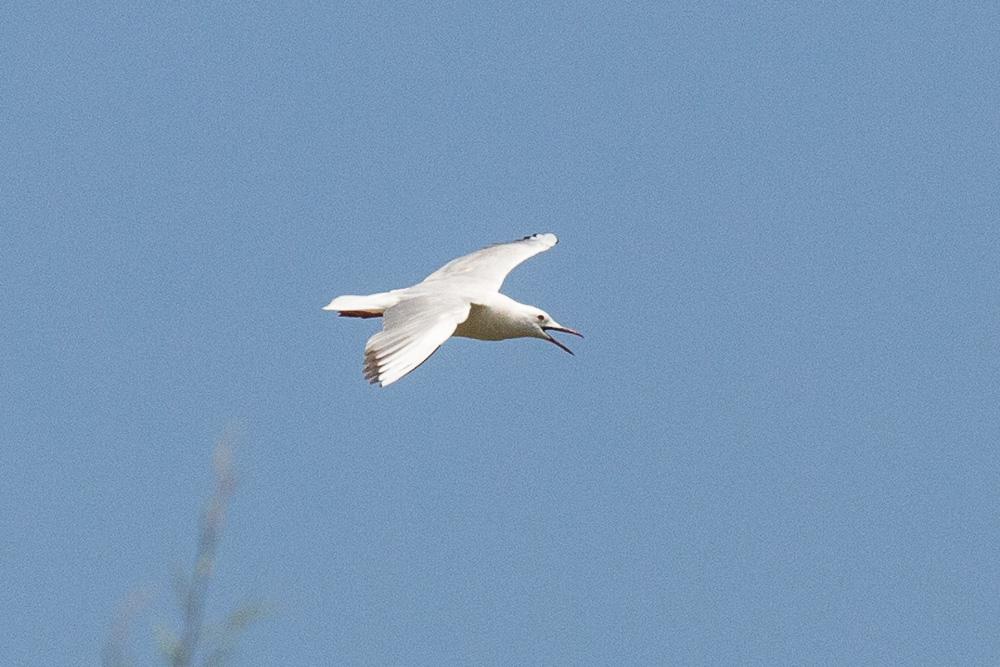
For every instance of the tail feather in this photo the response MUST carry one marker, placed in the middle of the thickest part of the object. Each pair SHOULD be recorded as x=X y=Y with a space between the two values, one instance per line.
x=370 y=305
x=358 y=313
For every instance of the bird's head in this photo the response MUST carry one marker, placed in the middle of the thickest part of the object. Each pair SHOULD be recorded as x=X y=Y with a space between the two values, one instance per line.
x=540 y=324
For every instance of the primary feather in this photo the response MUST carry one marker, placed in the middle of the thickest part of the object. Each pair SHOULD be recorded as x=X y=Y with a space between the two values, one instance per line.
x=412 y=331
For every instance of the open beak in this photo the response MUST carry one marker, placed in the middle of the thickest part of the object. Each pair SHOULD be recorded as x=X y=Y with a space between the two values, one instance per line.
x=563 y=330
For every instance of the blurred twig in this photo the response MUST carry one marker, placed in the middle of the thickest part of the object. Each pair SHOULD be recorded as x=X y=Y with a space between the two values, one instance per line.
x=115 y=652
x=225 y=637
x=193 y=603
x=214 y=643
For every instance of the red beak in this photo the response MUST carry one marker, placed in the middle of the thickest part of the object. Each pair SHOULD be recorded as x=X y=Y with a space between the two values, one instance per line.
x=574 y=332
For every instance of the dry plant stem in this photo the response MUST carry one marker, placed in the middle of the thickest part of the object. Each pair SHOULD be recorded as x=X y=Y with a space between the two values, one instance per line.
x=115 y=651
x=193 y=607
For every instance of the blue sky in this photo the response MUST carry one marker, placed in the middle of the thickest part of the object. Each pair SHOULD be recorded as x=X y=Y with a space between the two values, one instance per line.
x=778 y=225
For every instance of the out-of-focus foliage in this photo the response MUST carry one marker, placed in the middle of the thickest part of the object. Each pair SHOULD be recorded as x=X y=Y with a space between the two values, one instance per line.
x=196 y=641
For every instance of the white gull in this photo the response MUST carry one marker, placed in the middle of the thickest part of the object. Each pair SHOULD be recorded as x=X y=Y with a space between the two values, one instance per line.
x=462 y=298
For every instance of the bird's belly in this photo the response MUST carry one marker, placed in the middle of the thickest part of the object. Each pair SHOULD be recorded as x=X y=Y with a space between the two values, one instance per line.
x=483 y=324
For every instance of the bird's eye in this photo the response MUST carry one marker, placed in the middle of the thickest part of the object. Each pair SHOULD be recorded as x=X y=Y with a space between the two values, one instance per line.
x=541 y=318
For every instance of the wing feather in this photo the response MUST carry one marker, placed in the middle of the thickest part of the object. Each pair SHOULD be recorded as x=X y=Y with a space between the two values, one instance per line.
x=489 y=266
x=412 y=331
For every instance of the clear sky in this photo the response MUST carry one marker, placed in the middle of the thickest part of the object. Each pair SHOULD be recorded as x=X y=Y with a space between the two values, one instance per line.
x=778 y=443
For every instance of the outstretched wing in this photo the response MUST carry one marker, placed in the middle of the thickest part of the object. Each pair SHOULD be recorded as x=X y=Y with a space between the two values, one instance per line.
x=491 y=265
x=412 y=331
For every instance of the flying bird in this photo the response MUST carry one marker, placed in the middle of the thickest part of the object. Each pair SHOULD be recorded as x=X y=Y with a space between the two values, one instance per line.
x=462 y=298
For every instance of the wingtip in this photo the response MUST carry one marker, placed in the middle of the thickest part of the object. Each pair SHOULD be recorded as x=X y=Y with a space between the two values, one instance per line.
x=546 y=237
